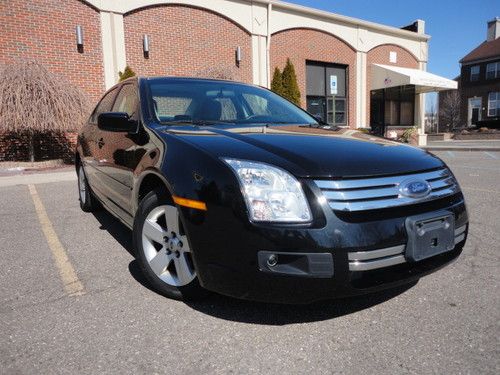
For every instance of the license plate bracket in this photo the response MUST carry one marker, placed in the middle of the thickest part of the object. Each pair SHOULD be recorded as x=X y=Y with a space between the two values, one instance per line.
x=429 y=235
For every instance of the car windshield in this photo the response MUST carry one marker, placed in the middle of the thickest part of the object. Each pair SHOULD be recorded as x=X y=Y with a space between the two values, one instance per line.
x=213 y=102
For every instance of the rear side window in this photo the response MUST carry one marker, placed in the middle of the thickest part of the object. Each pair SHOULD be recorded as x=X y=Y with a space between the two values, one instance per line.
x=127 y=101
x=103 y=106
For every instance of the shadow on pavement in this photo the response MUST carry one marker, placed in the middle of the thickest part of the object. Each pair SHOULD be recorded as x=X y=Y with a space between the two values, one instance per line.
x=233 y=309
x=276 y=314
x=116 y=228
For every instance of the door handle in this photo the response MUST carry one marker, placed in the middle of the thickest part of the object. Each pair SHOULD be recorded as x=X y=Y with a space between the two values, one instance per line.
x=100 y=144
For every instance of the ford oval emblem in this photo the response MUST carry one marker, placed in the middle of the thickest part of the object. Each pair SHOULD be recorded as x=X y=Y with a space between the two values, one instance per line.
x=414 y=188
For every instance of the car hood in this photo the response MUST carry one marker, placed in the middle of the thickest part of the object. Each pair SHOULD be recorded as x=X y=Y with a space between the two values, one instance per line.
x=309 y=152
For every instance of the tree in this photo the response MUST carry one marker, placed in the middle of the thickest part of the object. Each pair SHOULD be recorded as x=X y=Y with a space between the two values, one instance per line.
x=34 y=100
x=431 y=120
x=277 y=82
x=290 y=86
x=127 y=73
x=450 y=110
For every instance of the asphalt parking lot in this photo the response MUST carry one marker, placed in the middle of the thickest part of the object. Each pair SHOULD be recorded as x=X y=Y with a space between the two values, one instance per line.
x=104 y=319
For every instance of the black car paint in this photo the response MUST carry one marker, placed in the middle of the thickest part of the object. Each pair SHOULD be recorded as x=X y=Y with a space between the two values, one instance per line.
x=225 y=243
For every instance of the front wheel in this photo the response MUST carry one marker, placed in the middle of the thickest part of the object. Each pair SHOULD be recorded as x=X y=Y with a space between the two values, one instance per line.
x=162 y=248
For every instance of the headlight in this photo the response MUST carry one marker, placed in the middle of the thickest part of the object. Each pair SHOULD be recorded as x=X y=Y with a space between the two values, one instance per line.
x=271 y=193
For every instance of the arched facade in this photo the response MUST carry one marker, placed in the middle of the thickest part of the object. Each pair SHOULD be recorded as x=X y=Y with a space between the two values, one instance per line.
x=200 y=37
x=302 y=45
x=182 y=44
x=382 y=54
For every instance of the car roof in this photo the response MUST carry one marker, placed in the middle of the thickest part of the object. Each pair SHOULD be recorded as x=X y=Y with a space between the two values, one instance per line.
x=190 y=79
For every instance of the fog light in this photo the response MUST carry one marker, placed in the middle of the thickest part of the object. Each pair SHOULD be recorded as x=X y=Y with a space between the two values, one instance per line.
x=272 y=260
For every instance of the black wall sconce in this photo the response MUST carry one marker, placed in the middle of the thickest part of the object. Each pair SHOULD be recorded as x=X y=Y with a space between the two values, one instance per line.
x=145 y=46
x=238 y=56
x=79 y=39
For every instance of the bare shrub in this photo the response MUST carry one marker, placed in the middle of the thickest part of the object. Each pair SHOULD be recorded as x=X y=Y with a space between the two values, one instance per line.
x=450 y=110
x=34 y=100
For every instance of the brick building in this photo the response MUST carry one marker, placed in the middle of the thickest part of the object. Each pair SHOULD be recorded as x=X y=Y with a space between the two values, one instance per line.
x=480 y=80
x=351 y=72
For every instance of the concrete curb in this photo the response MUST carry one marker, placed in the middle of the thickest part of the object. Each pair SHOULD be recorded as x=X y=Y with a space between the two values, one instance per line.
x=454 y=148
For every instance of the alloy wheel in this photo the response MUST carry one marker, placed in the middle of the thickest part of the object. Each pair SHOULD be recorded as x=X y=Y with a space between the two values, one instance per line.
x=166 y=247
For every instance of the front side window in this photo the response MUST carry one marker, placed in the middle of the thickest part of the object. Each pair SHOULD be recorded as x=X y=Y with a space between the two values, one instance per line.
x=493 y=70
x=193 y=101
x=127 y=101
x=474 y=73
x=494 y=104
x=103 y=106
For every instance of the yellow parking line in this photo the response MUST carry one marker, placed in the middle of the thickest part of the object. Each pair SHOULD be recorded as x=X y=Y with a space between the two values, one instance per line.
x=72 y=285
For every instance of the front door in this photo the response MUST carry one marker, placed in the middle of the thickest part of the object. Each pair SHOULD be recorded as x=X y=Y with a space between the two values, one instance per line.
x=327 y=90
x=122 y=151
x=475 y=105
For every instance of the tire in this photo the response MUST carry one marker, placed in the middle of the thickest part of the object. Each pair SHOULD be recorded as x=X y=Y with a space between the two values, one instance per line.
x=88 y=202
x=162 y=248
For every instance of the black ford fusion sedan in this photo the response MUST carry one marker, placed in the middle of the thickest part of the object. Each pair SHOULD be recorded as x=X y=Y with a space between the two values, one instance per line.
x=231 y=188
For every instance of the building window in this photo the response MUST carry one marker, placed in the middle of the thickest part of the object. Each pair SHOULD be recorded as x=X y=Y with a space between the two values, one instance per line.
x=327 y=88
x=474 y=73
x=493 y=70
x=494 y=104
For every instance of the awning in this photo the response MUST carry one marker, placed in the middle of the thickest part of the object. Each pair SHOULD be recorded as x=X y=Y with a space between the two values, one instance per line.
x=384 y=76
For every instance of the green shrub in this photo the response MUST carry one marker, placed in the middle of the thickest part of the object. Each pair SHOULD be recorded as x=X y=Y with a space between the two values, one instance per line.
x=127 y=73
x=277 y=82
x=408 y=134
x=290 y=86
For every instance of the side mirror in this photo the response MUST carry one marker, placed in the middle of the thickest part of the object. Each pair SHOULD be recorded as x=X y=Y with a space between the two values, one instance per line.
x=116 y=122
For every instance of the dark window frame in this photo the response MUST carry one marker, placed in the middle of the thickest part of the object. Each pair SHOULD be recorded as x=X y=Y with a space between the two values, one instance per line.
x=474 y=77
x=326 y=96
x=495 y=72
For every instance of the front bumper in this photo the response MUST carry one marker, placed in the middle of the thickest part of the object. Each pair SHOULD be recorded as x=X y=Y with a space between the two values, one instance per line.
x=337 y=256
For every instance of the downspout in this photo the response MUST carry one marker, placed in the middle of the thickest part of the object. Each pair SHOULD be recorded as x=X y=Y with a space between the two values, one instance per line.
x=268 y=44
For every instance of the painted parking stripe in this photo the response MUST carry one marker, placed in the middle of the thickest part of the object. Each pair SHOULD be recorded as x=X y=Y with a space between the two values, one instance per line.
x=450 y=153
x=72 y=285
x=490 y=154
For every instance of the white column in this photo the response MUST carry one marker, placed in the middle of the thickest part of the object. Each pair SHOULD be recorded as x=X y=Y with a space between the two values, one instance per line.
x=361 y=87
x=259 y=60
x=420 y=113
x=113 y=46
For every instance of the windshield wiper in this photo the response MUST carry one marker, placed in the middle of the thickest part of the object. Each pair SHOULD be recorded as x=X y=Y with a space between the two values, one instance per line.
x=197 y=122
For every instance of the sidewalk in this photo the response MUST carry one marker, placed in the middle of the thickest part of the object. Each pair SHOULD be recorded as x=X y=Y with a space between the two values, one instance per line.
x=37 y=177
x=479 y=145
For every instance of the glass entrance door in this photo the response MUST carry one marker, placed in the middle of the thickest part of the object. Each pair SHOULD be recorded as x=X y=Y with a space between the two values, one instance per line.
x=326 y=92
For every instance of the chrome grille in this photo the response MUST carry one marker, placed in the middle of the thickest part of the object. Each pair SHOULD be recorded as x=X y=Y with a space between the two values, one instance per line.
x=383 y=192
x=390 y=256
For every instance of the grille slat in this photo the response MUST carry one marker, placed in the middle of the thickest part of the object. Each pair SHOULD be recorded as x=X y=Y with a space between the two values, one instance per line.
x=390 y=256
x=383 y=192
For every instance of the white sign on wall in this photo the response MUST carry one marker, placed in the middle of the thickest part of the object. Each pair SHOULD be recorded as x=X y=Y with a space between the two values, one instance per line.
x=393 y=57
x=333 y=85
